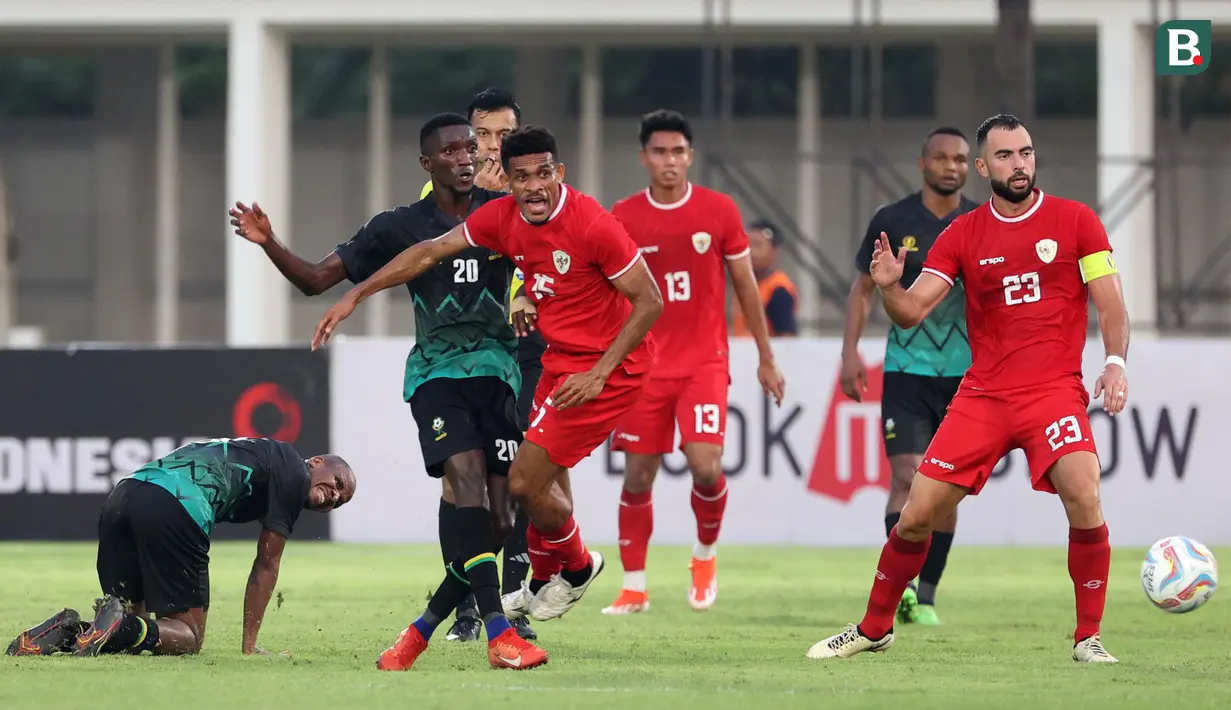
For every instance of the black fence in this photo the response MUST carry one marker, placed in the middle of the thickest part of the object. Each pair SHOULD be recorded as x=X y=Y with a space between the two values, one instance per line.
x=73 y=423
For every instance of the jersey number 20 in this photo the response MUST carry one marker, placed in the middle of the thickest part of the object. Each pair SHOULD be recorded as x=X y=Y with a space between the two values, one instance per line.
x=465 y=271
x=1022 y=289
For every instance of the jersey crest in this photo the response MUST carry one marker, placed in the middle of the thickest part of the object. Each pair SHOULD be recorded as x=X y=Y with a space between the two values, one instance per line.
x=1046 y=249
x=701 y=241
x=561 y=260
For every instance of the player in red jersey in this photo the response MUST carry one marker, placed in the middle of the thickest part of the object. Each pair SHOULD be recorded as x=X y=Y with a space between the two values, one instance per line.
x=691 y=238
x=1030 y=263
x=595 y=301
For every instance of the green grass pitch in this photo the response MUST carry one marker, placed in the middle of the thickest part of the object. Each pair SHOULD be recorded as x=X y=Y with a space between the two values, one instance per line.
x=1006 y=642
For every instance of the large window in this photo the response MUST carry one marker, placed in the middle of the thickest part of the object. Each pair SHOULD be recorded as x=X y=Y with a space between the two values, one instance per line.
x=47 y=86
x=1066 y=79
x=908 y=81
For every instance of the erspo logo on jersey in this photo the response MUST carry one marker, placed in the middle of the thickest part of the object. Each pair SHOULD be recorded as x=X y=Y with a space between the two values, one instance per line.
x=851 y=455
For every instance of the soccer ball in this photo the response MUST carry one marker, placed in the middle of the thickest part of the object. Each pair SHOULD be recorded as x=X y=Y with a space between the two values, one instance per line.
x=1179 y=574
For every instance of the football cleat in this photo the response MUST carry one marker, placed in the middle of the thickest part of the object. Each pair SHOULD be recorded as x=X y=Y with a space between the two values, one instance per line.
x=404 y=652
x=849 y=643
x=508 y=650
x=629 y=602
x=1090 y=650
x=466 y=628
x=55 y=635
x=558 y=596
x=704 y=589
x=522 y=625
x=108 y=615
x=517 y=603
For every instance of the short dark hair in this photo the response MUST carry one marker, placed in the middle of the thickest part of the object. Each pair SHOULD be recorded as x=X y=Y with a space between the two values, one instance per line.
x=942 y=131
x=527 y=140
x=666 y=121
x=437 y=122
x=770 y=229
x=493 y=99
x=1001 y=121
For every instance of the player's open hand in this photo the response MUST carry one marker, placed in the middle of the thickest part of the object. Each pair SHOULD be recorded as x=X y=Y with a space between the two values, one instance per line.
x=772 y=381
x=854 y=377
x=577 y=389
x=339 y=312
x=491 y=176
x=886 y=269
x=524 y=314
x=251 y=223
x=1112 y=385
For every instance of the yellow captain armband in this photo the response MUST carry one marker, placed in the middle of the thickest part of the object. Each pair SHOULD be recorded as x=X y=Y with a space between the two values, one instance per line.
x=427 y=190
x=1096 y=266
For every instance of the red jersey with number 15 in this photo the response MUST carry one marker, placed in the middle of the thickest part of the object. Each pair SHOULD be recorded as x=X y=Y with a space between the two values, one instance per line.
x=686 y=245
x=569 y=262
x=1027 y=309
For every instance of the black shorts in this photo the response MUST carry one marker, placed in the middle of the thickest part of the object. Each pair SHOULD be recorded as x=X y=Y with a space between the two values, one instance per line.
x=150 y=550
x=472 y=414
x=912 y=407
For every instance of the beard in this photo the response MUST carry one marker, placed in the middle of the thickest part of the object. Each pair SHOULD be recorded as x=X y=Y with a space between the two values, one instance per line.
x=1010 y=194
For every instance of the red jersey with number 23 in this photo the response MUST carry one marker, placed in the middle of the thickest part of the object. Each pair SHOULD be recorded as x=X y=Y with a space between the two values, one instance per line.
x=569 y=263
x=1027 y=309
x=686 y=245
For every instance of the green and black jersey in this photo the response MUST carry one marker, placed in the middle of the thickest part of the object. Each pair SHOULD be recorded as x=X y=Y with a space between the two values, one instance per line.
x=461 y=306
x=939 y=346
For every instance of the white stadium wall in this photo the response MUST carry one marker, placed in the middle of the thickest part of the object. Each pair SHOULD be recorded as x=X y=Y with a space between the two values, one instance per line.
x=813 y=472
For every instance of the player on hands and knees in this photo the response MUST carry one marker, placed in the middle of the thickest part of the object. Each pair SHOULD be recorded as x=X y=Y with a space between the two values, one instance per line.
x=691 y=238
x=153 y=545
x=461 y=377
x=493 y=114
x=595 y=302
x=1031 y=263
x=924 y=364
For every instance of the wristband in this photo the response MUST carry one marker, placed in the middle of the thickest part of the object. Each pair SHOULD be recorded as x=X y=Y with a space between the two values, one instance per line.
x=1116 y=360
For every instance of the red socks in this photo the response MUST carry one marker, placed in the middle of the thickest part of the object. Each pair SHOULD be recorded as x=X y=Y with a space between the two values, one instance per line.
x=543 y=564
x=708 y=504
x=900 y=562
x=636 y=527
x=565 y=545
x=1089 y=565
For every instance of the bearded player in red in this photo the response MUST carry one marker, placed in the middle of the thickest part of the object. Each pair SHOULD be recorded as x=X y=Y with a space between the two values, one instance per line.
x=691 y=238
x=595 y=301
x=1030 y=263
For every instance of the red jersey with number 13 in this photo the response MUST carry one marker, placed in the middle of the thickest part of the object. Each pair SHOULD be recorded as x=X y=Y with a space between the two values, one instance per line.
x=686 y=245
x=1027 y=309
x=569 y=262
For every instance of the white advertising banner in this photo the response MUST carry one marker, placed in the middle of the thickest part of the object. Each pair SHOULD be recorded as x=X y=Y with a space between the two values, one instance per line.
x=813 y=472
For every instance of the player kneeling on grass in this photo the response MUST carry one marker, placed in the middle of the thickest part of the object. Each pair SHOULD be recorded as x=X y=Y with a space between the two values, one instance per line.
x=1031 y=263
x=153 y=545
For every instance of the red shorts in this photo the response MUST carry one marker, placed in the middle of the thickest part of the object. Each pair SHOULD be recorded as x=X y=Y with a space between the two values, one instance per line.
x=979 y=428
x=698 y=404
x=571 y=435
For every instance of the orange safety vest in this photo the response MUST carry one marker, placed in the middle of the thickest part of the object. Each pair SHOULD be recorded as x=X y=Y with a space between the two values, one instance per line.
x=767 y=286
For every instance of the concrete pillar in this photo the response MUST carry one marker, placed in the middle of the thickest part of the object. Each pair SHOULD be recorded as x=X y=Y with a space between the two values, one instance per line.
x=380 y=157
x=258 y=170
x=1125 y=136
x=122 y=240
x=166 y=201
x=808 y=180
x=591 y=119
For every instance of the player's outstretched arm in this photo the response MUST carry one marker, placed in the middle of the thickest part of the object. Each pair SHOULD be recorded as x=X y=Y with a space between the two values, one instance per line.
x=744 y=283
x=1108 y=296
x=403 y=268
x=311 y=279
x=906 y=308
x=261 y=582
